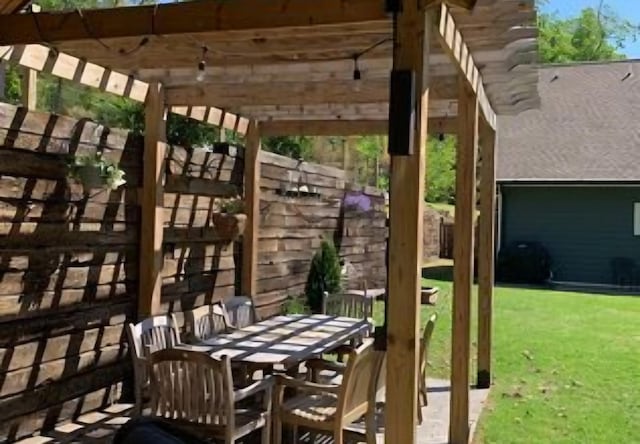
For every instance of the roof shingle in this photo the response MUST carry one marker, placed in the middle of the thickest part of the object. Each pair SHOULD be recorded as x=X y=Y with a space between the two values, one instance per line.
x=586 y=129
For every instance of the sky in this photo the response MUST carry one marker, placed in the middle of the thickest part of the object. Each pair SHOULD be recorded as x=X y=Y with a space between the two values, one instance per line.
x=629 y=9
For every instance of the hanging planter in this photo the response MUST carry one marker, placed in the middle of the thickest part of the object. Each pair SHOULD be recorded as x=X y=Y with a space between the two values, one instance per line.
x=94 y=171
x=230 y=223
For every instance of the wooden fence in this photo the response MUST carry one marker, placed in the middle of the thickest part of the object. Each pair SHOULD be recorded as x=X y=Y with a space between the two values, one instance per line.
x=294 y=222
x=69 y=259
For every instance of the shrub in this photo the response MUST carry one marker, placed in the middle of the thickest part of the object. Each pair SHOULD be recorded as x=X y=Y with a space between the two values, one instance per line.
x=324 y=275
x=296 y=305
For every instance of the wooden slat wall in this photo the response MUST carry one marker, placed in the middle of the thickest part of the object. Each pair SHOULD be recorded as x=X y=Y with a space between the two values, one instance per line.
x=199 y=267
x=292 y=228
x=69 y=262
x=68 y=273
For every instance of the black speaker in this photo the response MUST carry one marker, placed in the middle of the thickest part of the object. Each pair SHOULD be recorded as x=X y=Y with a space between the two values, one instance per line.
x=402 y=112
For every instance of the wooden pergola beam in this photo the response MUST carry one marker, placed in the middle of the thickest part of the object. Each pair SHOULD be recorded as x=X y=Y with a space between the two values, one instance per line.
x=436 y=126
x=42 y=59
x=186 y=18
x=467 y=149
x=280 y=93
x=486 y=253
x=453 y=43
x=406 y=207
x=226 y=95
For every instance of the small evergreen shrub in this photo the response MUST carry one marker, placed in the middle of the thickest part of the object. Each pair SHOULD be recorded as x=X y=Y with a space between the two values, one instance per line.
x=324 y=275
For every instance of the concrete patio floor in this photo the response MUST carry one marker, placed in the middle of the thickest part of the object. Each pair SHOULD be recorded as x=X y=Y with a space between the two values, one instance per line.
x=100 y=426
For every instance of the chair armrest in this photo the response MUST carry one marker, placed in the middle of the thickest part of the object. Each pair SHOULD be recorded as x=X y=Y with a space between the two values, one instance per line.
x=283 y=381
x=322 y=364
x=264 y=385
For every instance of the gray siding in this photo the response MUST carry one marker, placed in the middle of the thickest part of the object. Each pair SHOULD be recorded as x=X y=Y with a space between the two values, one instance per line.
x=582 y=227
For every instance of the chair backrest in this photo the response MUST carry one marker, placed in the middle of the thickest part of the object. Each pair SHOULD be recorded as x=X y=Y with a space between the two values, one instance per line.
x=205 y=322
x=424 y=343
x=153 y=334
x=359 y=382
x=350 y=304
x=240 y=312
x=193 y=387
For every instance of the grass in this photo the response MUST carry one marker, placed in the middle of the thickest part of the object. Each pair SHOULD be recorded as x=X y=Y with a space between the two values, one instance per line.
x=566 y=365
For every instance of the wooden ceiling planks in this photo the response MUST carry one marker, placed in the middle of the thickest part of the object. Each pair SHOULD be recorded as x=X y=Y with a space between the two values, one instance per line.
x=276 y=68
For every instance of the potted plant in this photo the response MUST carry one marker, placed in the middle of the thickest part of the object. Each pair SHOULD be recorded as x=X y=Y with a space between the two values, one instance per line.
x=94 y=171
x=230 y=222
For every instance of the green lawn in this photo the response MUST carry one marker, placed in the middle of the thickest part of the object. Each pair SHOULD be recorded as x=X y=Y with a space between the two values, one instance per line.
x=567 y=366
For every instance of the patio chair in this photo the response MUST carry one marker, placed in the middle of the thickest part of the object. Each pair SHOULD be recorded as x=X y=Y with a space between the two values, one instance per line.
x=330 y=408
x=205 y=322
x=240 y=312
x=146 y=337
x=352 y=305
x=195 y=392
x=334 y=374
x=425 y=341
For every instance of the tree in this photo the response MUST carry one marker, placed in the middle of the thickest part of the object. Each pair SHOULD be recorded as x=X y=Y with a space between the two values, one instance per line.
x=441 y=169
x=324 y=275
x=298 y=147
x=594 y=34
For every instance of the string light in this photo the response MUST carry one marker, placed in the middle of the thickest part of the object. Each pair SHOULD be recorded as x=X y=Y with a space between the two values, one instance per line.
x=202 y=65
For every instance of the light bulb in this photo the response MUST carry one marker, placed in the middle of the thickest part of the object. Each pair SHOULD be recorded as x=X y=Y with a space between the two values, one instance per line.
x=201 y=71
x=357 y=79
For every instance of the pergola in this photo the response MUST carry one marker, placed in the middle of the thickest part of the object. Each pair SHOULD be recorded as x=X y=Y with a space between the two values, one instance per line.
x=323 y=67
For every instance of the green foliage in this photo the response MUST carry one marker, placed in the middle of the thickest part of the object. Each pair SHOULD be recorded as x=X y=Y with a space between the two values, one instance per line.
x=86 y=169
x=324 y=275
x=441 y=169
x=12 y=91
x=595 y=34
x=298 y=147
x=296 y=305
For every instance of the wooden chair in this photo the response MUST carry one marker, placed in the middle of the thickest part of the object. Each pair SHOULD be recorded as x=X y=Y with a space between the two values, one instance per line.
x=422 y=378
x=352 y=305
x=195 y=391
x=146 y=337
x=335 y=375
x=205 y=322
x=349 y=304
x=330 y=408
x=240 y=312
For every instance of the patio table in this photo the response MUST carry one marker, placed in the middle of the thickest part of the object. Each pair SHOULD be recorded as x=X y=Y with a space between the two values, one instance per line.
x=285 y=340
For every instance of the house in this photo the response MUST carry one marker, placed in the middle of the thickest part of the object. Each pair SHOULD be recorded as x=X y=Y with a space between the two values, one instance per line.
x=569 y=172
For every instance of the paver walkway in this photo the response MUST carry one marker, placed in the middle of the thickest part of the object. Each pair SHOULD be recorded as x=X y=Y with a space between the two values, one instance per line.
x=98 y=427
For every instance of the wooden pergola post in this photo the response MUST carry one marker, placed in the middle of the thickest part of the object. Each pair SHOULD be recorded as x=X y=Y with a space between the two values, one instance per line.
x=486 y=252
x=152 y=220
x=463 y=262
x=250 y=238
x=406 y=206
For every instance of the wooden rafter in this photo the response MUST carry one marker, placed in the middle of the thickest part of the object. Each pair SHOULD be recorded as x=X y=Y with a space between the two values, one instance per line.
x=453 y=43
x=42 y=59
x=187 y=17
